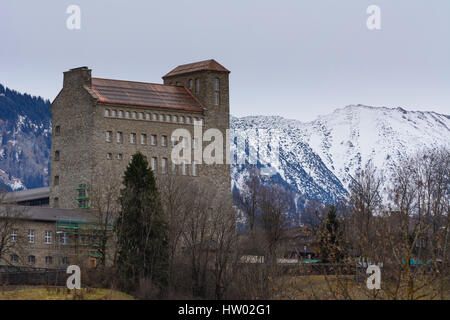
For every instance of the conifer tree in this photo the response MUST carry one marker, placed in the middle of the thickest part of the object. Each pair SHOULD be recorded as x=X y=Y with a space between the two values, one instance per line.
x=330 y=238
x=142 y=232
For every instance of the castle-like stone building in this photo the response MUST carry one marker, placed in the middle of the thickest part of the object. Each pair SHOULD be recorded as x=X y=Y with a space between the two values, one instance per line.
x=98 y=124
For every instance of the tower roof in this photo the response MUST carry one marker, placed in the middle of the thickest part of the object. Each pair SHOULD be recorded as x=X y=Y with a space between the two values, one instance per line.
x=207 y=65
x=144 y=94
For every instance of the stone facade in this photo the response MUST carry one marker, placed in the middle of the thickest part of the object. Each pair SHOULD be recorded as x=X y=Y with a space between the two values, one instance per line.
x=87 y=127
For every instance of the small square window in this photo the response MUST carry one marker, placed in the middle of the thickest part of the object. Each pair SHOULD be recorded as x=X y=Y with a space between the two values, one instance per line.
x=57 y=130
x=48 y=260
x=119 y=156
x=56 y=155
x=119 y=137
x=107 y=113
x=31 y=259
x=65 y=260
x=109 y=156
x=108 y=136
x=164 y=141
x=14 y=235
x=30 y=235
x=143 y=138
x=48 y=237
x=154 y=163
x=14 y=258
x=56 y=181
x=153 y=140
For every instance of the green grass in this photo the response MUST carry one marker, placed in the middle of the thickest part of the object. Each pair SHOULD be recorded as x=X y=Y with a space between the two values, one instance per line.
x=60 y=293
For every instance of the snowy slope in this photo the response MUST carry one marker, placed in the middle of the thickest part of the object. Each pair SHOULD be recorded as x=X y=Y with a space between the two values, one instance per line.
x=317 y=157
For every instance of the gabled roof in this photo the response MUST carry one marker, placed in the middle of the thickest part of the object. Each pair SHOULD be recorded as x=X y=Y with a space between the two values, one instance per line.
x=144 y=94
x=211 y=65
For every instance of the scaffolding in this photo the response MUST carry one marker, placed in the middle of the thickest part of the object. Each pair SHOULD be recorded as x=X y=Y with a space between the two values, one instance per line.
x=81 y=238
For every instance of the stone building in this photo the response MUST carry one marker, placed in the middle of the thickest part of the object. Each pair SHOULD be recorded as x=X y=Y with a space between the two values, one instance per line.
x=98 y=124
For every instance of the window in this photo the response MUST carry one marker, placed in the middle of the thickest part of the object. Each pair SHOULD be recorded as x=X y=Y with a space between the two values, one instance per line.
x=31 y=259
x=175 y=119
x=141 y=116
x=155 y=117
x=154 y=163
x=48 y=237
x=57 y=130
x=153 y=140
x=106 y=112
x=216 y=98
x=164 y=141
x=119 y=156
x=65 y=260
x=56 y=155
x=161 y=117
x=108 y=136
x=164 y=165
x=216 y=84
x=14 y=258
x=64 y=238
x=194 y=169
x=14 y=235
x=143 y=138
x=56 y=202
x=188 y=120
x=120 y=113
x=147 y=116
x=119 y=137
x=174 y=168
x=173 y=140
x=197 y=86
x=109 y=156
x=133 y=115
x=31 y=235
x=48 y=260
x=127 y=114
x=195 y=143
x=191 y=84
x=181 y=119
x=184 y=168
x=113 y=113
x=56 y=181
x=133 y=138
x=168 y=117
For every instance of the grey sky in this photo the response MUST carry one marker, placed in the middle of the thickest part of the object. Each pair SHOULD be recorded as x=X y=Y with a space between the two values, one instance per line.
x=297 y=59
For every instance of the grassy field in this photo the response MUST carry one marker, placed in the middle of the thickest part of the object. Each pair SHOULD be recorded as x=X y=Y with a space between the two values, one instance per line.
x=57 y=293
x=319 y=287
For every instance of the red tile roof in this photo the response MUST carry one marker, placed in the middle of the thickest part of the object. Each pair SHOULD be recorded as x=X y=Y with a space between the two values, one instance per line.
x=211 y=65
x=144 y=94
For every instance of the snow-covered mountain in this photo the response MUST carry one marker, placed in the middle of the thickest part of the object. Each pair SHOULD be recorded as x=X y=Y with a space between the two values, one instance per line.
x=317 y=157
x=25 y=139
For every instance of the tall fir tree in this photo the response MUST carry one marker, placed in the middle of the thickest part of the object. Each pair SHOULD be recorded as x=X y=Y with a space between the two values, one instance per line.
x=142 y=232
x=330 y=239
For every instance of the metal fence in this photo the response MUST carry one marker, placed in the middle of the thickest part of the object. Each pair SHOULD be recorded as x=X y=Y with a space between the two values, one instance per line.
x=32 y=276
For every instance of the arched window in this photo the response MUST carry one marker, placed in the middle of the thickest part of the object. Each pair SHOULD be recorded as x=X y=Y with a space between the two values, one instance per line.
x=197 y=86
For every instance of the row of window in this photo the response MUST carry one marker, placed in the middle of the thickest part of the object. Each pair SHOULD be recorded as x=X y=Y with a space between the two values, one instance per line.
x=164 y=165
x=32 y=259
x=31 y=236
x=153 y=138
x=113 y=113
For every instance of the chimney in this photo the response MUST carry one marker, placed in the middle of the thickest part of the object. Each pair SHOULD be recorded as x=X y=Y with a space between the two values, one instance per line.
x=77 y=77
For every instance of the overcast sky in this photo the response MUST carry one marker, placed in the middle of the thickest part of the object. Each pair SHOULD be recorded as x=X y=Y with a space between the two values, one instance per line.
x=296 y=59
